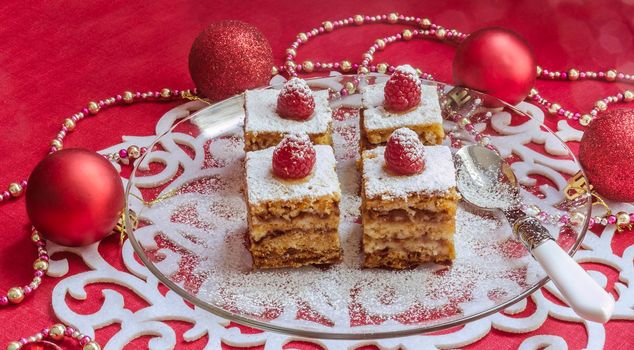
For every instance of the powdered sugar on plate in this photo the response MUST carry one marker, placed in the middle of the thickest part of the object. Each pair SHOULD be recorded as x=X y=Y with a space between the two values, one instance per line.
x=208 y=229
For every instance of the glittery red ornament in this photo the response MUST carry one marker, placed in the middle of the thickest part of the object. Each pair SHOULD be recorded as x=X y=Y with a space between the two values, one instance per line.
x=74 y=197
x=498 y=62
x=607 y=153
x=229 y=57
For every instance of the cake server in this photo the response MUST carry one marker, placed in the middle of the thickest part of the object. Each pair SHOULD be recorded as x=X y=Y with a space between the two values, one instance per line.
x=486 y=181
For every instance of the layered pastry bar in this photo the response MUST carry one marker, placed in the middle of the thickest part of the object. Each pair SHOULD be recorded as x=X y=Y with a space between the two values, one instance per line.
x=293 y=222
x=377 y=123
x=408 y=219
x=264 y=127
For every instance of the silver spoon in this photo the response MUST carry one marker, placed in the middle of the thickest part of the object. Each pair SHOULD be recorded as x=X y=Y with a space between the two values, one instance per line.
x=486 y=181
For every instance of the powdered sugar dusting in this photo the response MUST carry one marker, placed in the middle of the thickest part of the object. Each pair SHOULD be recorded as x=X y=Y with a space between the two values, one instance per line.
x=297 y=85
x=261 y=110
x=407 y=69
x=264 y=186
x=409 y=140
x=376 y=117
x=438 y=176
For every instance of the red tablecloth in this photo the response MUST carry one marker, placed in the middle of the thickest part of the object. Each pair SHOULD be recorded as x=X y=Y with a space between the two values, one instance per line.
x=55 y=57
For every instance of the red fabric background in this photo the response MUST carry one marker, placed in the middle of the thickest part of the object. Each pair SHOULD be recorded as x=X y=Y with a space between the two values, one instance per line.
x=55 y=57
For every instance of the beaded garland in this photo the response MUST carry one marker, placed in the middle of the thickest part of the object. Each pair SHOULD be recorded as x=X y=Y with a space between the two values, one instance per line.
x=57 y=332
x=423 y=29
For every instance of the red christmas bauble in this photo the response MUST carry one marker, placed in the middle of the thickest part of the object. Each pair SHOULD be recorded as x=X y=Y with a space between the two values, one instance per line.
x=606 y=153
x=74 y=197
x=229 y=57
x=498 y=62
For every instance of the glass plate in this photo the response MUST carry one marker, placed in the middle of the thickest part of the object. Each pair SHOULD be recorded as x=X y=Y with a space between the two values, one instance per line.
x=192 y=231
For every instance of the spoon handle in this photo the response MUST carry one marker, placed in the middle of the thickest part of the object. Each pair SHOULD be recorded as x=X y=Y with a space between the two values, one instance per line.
x=589 y=300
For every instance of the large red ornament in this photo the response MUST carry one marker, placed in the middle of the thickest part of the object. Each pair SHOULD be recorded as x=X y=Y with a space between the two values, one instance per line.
x=229 y=57
x=607 y=153
x=74 y=197
x=498 y=62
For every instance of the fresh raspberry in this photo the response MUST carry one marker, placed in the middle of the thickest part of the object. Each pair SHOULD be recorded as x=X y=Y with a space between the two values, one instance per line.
x=294 y=157
x=402 y=90
x=404 y=153
x=296 y=100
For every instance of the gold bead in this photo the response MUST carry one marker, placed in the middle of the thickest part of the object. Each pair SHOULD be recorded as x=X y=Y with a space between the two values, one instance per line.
x=345 y=65
x=290 y=65
x=166 y=93
x=440 y=33
x=610 y=75
x=14 y=345
x=37 y=280
x=532 y=93
x=40 y=264
x=302 y=37
x=291 y=52
x=57 y=144
x=380 y=43
x=91 y=346
x=622 y=218
x=133 y=152
x=308 y=66
x=350 y=87
x=407 y=34
x=15 y=189
x=601 y=105
x=554 y=108
x=573 y=74
x=362 y=70
x=69 y=124
x=628 y=96
x=35 y=236
x=419 y=72
x=328 y=26
x=381 y=67
x=57 y=332
x=274 y=71
x=93 y=107
x=128 y=97
x=15 y=295
x=585 y=119
x=539 y=70
x=392 y=17
x=425 y=23
x=358 y=20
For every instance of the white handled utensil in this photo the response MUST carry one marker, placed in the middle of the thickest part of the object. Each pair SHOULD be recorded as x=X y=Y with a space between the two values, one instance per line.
x=486 y=181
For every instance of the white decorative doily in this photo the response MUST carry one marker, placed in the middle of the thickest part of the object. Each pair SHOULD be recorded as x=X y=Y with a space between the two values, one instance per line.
x=169 y=306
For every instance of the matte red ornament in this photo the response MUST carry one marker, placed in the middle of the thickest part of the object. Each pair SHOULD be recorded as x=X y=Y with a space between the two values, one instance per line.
x=229 y=57
x=74 y=197
x=498 y=62
x=606 y=153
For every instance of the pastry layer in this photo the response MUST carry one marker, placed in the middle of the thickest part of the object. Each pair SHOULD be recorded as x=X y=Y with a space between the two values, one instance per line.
x=254 y=141
x=378 y=229
x=429 y=134
x=410 y=245
x=296 y=248
x=414 y=203
x=262 y=228
x=404 y=260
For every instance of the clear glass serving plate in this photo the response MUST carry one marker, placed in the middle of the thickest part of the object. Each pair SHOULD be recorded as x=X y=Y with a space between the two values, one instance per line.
x=187 y=192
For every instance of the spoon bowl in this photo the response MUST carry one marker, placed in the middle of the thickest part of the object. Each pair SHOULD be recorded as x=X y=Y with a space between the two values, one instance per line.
x=486 y=181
